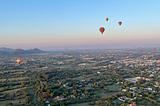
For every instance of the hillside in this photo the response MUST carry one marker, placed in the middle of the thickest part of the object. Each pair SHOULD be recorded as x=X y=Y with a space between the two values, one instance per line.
x=5 y=49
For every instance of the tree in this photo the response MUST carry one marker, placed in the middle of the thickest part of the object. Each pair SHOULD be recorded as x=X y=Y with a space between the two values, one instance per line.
x=158 y=99
x=54 y=101
x=98 y=102
x=106 y=101
x=104 y=98
x=39 y=99
x=52 y=94
x=128 y=94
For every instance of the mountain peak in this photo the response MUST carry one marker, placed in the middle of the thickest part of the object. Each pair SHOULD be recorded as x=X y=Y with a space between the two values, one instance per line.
x=5 y=49
x=17 y=50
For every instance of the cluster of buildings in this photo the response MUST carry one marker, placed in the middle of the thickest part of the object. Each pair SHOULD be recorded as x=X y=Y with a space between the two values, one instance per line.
x=123 y=98
x=135 y=79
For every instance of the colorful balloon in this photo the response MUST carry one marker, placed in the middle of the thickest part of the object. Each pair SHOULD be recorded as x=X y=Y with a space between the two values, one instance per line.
x=101 y=29
x=107 y=19
x=120 y=23
x=19 y=60
x=154 y=48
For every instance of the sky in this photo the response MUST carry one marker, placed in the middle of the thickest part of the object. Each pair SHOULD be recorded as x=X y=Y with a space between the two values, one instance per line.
x=74 y=24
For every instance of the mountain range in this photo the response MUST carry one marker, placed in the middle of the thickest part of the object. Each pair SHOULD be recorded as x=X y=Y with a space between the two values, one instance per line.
x=7 y=51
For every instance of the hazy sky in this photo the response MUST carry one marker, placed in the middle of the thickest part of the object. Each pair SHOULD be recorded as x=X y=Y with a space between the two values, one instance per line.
x=66 y=23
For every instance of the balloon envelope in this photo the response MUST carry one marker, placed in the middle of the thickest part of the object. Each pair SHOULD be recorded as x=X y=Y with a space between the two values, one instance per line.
x=19 y=60
x=101 y=29
x=154 y=48
x=120 y=23
x=107 y=19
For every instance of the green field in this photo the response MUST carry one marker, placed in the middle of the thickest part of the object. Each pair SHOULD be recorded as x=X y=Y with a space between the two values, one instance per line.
x=114 y=87
x=91 y=75
x=13 y=91
x=78 y=78
x=13 y=70
x=69 y=60
x=11 y=79
x=12 y=87
x=128 y=70
x=102 y=93
x=63 y=66
x=30 y=66
x=118 y=101
x=88 y=66
x=47 y=61
x=3 y=103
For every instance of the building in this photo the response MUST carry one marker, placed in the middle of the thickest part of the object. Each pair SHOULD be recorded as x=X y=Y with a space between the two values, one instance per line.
x=131 y=105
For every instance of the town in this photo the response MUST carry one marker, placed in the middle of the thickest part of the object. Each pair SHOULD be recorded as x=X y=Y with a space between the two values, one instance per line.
x=113 y=77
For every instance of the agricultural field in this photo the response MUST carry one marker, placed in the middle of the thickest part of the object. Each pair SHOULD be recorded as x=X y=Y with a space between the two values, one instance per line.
x=13 y=71
x=13 y=91
x=11 y=87
x=63 y=66
x=79 y=78
x=118 y=101
x=3 y=103
x=114 y=87
x=88 y=66
x=67 y=60
x=128 y=70
x=47 y=61
x=102 y=93
x=11 y=79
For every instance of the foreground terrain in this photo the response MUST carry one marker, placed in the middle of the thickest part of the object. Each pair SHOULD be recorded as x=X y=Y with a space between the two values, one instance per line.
x=76 y=78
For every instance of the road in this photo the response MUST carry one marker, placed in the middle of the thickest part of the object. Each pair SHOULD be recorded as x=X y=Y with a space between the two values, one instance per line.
x=36 y=98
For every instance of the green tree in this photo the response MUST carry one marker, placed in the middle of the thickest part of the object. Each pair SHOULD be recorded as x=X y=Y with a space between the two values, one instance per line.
x=104 y=98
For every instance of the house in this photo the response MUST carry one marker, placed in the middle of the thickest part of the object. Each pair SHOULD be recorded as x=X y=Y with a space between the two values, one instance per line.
x=72 y=96
x=59 y=63
x=124 y=90
x=58 y=98
x=47 y=101
x=150 y=89
x=131 y=105
x=133 y=88
x=44 y=67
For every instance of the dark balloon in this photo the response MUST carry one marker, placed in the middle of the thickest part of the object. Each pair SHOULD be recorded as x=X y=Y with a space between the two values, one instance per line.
x=120 y=23
x=101 y=29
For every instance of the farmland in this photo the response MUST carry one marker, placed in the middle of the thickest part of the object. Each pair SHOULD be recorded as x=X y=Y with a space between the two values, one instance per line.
x=114 y=87
x=15 y=79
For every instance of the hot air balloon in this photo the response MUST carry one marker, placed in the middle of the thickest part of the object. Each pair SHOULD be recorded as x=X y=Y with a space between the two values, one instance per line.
x=19 y=60
x=101 y=29
x=107 y=19
x=154 y=48
x=120 y=23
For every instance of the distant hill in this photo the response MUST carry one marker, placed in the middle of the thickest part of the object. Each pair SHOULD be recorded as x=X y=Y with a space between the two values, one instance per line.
x=17 y=51
x=8 y=51
x=35 y=50
x=5 y=49
x=30 y=51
